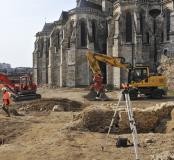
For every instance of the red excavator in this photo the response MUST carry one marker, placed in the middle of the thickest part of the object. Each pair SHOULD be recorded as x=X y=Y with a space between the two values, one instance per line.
x=24 y=90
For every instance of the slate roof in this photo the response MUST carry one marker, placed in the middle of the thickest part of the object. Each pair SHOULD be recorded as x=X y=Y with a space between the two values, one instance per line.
x=48 y=27
x=84 y=3
x=64 y=16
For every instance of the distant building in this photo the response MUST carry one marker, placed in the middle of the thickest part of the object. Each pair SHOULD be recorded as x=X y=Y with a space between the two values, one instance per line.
x=138 y=30
x=18 y=71
x=5 y=66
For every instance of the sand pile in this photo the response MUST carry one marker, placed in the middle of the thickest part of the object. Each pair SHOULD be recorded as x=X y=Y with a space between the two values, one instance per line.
x=48 y=104
x=98 y=118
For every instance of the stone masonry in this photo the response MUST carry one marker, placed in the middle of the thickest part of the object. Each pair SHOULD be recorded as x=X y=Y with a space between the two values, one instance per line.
x=141 y=31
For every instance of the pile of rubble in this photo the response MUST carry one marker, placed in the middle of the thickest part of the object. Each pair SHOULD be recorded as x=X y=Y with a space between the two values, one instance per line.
x=164 y=156
x=166 y=68
x=98 y=118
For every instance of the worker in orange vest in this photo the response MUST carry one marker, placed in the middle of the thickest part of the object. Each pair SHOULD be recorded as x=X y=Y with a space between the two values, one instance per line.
x=6 y=101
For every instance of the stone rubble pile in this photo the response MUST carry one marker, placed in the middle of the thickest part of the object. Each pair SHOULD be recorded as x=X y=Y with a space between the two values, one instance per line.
x=98 y=118
x=167 y=155
x=166 y=68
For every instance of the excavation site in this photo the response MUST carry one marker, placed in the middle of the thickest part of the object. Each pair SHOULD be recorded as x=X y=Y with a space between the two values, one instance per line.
x=87 y=80
x=71 y=127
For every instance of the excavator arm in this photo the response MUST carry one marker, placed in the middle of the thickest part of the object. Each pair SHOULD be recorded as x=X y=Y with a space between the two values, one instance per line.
x=6 y=82
x=94 y=58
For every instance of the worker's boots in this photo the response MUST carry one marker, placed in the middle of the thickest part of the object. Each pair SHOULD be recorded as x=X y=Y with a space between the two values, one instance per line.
x=6 y=111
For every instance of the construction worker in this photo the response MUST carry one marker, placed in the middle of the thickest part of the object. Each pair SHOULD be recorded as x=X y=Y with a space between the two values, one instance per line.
x=6 y=101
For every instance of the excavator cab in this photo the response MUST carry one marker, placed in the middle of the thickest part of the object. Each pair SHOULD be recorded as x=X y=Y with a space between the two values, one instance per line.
x=26 y=84
x=138 y=74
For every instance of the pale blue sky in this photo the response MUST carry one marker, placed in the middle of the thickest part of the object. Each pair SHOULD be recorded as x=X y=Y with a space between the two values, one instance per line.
x=20 y=20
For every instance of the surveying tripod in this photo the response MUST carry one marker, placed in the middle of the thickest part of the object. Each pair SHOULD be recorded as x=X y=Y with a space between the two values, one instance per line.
x=125 y=95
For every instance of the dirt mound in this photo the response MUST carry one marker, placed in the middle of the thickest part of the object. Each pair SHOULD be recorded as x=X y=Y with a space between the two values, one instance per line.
x=48 y=104
x=94 y=119
x=97 y=118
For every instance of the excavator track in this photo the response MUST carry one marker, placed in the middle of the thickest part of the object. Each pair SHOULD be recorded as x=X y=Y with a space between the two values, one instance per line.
x=25 y=97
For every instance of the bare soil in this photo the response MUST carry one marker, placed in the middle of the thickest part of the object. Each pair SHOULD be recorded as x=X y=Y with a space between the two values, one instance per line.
x=41 y=135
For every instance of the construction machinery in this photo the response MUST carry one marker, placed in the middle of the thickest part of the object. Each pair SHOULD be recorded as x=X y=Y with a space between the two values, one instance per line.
x=25 y=89
x=140 y=80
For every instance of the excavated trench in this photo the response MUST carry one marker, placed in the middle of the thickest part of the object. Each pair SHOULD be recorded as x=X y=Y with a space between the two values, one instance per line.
x=51 y=104
x=158 y=119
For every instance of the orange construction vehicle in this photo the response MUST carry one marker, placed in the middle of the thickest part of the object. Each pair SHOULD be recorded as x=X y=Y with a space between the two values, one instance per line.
x=24 y=90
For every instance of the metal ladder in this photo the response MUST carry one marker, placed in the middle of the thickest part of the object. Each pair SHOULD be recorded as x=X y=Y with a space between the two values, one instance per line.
x=125 y=95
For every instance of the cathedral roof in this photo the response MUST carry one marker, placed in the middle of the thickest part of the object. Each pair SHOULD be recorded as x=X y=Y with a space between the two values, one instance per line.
x=84 y=3
x=64 y=16
x=48 y=27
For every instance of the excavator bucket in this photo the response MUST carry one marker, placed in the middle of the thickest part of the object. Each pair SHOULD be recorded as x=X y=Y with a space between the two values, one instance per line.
x=92 y=96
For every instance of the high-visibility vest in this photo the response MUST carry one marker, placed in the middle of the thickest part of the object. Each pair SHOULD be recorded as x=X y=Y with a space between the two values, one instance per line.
x=125 y=85
x=6 y=98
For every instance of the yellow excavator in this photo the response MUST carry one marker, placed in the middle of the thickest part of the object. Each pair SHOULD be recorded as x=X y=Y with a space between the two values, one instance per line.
x=140 y=80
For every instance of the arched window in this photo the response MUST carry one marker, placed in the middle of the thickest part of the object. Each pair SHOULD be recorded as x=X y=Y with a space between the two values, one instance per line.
x=40 y=45
x=165 y=51
x=168 y=25
x=83 y=34
x=69 y=42
x=47 y=48
x=94 y=33
x=58 y=39
x=70 y=33
x=141 y=24
x=147 y=38
x=162 y=36
x=128 y=27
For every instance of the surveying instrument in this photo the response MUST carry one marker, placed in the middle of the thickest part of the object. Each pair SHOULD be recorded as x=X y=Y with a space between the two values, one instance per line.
x=125 y=95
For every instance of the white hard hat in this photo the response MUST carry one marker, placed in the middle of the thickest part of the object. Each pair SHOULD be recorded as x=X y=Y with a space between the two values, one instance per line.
x=4 y=89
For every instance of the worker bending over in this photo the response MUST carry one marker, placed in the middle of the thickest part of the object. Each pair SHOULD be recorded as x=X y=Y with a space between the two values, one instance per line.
x=6 y=101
